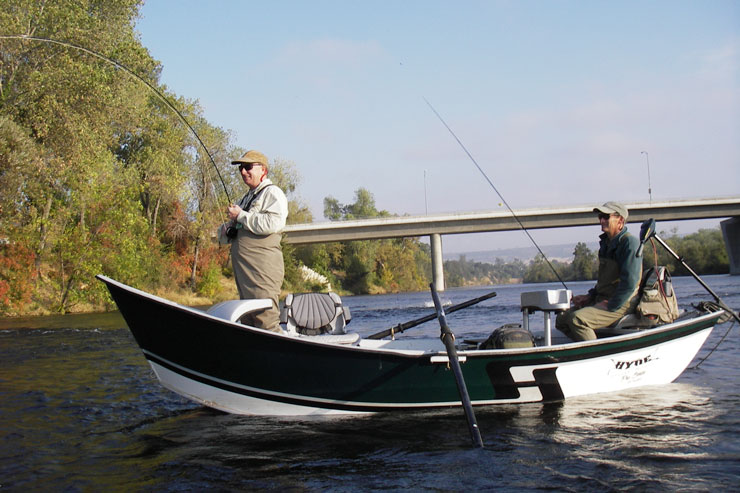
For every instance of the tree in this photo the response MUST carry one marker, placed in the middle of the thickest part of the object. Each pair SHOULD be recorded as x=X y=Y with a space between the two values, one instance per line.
x=585 y=263
x=362 y=208
x=703 y=251
x=70 y=108
x=463 y=272
x=96 y=164
x=373 y=266
x=540 y=271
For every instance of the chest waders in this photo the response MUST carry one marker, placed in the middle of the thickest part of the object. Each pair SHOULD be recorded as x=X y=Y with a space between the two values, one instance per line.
x=258 y=270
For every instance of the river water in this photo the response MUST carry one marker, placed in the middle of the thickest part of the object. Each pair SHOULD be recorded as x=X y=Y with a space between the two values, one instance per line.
x=80 y=410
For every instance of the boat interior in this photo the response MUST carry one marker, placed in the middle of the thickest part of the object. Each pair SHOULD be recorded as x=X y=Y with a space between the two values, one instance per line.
x=323 y=318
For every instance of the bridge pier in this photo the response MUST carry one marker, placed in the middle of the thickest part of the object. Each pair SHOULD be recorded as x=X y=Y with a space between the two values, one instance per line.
x=438 y=275
x=731 y=234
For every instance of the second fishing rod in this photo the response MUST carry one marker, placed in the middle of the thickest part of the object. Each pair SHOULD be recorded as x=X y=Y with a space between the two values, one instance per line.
x=513 y=214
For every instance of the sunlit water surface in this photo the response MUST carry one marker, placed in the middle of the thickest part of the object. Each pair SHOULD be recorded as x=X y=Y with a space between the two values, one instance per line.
x=80 y=410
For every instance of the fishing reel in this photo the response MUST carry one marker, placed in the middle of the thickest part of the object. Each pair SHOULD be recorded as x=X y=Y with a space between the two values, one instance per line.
x=231 y=232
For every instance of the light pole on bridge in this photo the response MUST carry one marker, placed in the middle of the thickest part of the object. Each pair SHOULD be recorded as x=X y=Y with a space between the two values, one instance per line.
x=650 y=189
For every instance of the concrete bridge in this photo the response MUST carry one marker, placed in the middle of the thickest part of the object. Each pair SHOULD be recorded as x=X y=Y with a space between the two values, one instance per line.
x=562 y=217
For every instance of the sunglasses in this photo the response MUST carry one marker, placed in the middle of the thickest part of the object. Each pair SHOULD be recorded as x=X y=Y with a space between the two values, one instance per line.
x=604 y=216
x=248 y=166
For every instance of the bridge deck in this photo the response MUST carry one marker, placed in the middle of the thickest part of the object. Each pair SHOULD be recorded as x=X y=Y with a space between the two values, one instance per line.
x=404 y=226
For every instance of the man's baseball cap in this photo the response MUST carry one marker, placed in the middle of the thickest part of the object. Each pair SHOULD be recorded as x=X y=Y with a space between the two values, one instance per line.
x=250 y=157
x=612 y=208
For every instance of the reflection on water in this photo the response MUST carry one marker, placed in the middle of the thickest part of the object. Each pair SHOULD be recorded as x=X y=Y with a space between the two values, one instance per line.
x=81 y=410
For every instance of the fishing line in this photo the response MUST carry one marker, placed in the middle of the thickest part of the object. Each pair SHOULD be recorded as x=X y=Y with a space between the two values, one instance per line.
x=135 y=75
x=497 y=192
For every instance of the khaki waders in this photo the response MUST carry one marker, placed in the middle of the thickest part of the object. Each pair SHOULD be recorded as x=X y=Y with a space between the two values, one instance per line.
x=258 y=272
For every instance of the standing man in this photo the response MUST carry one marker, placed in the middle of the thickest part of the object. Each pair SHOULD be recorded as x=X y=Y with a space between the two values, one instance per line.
x=620 y=272
x=254 y=233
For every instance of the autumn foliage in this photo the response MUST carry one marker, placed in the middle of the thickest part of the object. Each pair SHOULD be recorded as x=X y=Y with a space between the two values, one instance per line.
x=17 y=277
x=98 y=175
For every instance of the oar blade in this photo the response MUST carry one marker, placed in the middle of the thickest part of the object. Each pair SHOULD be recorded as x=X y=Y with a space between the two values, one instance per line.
x=448 y=338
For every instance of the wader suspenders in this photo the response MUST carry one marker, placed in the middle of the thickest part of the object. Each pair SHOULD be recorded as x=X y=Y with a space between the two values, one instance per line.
x=254 y=197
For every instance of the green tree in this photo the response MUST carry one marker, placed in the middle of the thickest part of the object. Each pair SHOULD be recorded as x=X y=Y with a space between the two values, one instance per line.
x=540 y=271
x=100 y=176
x=362 y=208
x=373 y=266
x=703 y=251
x=463 y=272
x=585 y=263
x=70 y=107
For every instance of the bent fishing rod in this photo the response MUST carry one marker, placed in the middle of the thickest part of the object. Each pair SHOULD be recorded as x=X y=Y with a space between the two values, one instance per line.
x=513 y=214
x=136 y=76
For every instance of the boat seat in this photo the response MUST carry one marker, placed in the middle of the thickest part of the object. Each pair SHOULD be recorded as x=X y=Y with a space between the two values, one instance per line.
x=632 y=322
x=235 y=310
x=628 y=324
x=314 y=314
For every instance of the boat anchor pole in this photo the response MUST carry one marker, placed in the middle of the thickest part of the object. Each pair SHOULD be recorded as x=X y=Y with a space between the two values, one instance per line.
x=648 y=231
x=448 y=339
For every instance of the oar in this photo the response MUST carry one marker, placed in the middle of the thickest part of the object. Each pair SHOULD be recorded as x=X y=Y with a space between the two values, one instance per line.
x=648 y=231
x=448 y=338
x=397 y=329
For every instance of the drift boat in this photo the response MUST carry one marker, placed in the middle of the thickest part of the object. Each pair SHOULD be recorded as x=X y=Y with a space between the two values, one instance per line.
x=214 y=360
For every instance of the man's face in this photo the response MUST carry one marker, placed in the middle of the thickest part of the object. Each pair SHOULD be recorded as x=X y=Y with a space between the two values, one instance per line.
x=611 y=224
x=252 y=174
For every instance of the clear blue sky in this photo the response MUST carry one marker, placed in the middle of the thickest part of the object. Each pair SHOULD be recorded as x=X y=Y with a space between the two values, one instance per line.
x=556 y=100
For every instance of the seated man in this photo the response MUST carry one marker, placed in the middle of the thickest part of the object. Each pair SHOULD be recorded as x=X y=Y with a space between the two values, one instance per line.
x=616 y=290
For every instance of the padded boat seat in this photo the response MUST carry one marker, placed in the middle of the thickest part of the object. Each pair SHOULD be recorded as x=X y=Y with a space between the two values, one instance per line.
x=314 y=314
x=632 y=322
x=234 y=310
x=628 y=324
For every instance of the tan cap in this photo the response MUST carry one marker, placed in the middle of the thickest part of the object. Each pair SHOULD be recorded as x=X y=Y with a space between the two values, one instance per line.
x=613 y=208
x=251 y=157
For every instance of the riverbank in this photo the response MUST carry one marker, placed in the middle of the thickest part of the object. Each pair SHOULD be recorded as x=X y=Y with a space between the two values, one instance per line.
x=42 y=307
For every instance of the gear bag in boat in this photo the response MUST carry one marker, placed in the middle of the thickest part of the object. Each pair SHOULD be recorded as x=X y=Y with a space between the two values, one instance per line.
x=509 y=336
x=657 y=298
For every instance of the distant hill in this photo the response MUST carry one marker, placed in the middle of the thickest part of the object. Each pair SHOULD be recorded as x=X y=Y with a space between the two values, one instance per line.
x=562 y=252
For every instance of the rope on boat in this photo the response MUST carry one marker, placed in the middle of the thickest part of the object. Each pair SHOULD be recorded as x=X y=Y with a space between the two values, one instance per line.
x=713 y=307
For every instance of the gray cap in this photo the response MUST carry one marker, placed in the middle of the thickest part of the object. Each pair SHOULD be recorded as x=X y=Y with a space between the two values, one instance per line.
x=613 y=208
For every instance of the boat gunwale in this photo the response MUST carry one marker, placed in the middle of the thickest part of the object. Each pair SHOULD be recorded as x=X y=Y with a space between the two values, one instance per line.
x=417 y=353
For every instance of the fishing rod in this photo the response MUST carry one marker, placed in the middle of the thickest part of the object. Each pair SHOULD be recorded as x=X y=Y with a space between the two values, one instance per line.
x=516 y=218
x=136 y=76
x=397 y=329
